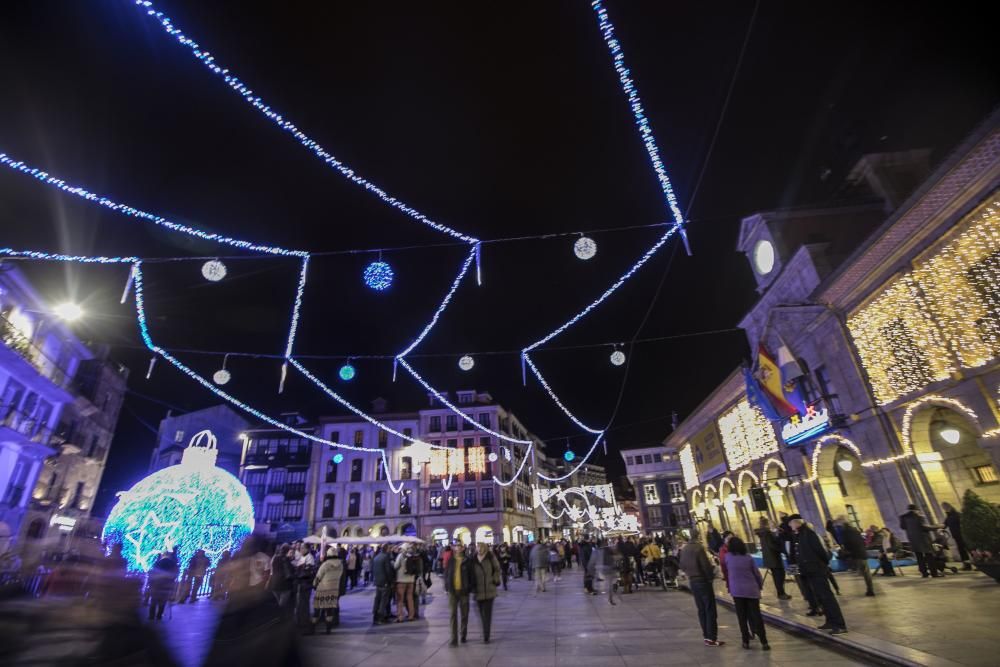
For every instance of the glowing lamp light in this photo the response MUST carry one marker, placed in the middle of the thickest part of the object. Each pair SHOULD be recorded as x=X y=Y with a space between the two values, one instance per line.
x=192 y=505
x=783 y=482
x=617 y=357
x=716 y=502
x=950 y=434
x=585 y=248
x=213 y=270
x=347 y=372
x=569 y=455
x=466 y=363
x=221 y=376
x=68 y=311
x=378 y=276
x=732 y=497
x=846 y=465
x=492 y=458
x=338 y=458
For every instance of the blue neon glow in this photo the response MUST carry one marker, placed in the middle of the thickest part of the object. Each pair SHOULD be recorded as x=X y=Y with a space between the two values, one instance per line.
x=347 y=372
x=806 y=435
x=378 y=276
x=569 y=455
x=338 y=458
x=193 y=505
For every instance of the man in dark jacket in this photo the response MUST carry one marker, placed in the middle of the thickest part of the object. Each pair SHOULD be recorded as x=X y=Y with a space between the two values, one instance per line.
x=814 y=568
x=853 y=550
x=918 y=535
x=953 y=522
x=770 y=551
x=384 y=577
x=458 y=578
x=700 y=572
x=162 y=579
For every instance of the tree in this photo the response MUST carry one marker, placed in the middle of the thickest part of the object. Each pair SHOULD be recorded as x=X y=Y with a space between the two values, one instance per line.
x=980 y=524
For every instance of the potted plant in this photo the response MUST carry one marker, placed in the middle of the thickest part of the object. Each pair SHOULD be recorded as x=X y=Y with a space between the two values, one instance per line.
x=981 y=530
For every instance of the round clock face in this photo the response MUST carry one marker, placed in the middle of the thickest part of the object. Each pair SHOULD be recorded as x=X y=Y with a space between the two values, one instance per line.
x=763 y=257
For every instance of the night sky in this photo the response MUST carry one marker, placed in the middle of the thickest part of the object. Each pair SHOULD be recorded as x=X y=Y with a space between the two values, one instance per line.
x=499 y=120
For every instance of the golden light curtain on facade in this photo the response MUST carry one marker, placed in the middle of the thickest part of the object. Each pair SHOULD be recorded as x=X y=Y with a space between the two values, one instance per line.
x=686 y=457
x=456 y=461
x=942 y=315
x=746 y=435
x=477 y=460
x=438 y=465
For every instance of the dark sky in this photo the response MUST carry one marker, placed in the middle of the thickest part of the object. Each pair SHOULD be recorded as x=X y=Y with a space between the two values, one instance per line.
x=499 y=120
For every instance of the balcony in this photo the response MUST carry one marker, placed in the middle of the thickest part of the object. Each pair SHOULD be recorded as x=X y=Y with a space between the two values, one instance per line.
x=278 y=458
x=27 y=426
x=295 y=491
x=17 y=345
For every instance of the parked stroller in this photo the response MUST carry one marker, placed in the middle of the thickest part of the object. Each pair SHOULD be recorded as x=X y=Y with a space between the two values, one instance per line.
x=652 y=572
x=671 y=567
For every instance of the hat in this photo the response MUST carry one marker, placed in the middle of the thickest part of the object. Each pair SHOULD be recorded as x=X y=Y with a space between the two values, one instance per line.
x=796 y=517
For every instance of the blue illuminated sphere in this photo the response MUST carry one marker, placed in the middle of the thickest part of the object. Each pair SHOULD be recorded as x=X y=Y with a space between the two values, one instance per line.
x=569 y=456
x=193 y=505
x=347 y=372
x=338 y=458
x=378 y=275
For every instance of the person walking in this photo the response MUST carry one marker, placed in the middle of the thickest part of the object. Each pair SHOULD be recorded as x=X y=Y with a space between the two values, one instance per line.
x=407 y=569
x=770 y=552
x=326 y=602
x=918 y=535
x=814 y=567
x=504 y=558
x=194 y=576
x=745 y=584
x=458 y=581
x=714 y=539
x=351 y=567
x=695 y=563
x=540 y=565
x=854 y=551
x=384 y=577
x=486 y=578
x=162 y=578
x=953 y=522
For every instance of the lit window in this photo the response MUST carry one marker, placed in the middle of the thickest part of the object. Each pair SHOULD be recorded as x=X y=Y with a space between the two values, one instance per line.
x=436 y=496
x=651 y=495
x=986 y=474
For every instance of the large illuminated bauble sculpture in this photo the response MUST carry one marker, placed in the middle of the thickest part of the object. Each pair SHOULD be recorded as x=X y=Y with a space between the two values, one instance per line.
x=192 y=505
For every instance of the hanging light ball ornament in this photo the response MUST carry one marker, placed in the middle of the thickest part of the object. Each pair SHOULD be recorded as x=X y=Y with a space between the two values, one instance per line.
x=617 y=357
x=213 y=270
x=569 y=455
x=221 y=376
x=492 y=457
x=347 y=372
x=192 y=505
x=338 y=458
x=466 y=363
x=378 y=276
x=585 y=247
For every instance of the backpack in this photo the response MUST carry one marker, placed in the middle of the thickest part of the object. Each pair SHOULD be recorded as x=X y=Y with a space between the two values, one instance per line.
x=412 y=565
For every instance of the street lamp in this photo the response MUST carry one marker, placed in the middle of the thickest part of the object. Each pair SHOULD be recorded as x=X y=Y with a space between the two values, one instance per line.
x=847 y=465
x=68 y=311
x=950 y=434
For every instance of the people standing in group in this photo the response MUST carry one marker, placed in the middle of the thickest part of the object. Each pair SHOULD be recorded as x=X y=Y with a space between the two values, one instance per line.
x=714 y=539
x=953 y=522
x=697 y=565
x=814 y=568
x=486 y=578
x=458 y=583
x=745 y=584
x=162 y=579
x=259 y=573
x=407 y=570
x=853 y=551
x=771 y=555
x=305 y=568
x=384 y=577
x=540 y=565
x=327 y=582
x=918 y=535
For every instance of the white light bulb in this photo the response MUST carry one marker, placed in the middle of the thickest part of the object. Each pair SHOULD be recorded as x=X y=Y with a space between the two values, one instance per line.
x=846 y=465
x=585 y=247
x=950 y=434
x=493 y=457
x=782 y=482
x=69 y=311
x=213 y=270
x=466 y=363
x=221 y=376
x=617 y=357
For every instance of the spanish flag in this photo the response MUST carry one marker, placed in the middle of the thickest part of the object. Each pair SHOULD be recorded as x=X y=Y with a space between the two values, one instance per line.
x=769 y=377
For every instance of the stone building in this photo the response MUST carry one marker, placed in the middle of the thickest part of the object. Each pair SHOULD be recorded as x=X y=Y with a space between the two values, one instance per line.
x=655 y=473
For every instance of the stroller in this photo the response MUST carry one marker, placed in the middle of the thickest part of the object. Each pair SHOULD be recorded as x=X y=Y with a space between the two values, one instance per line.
x=652 y=572
x=671 y=566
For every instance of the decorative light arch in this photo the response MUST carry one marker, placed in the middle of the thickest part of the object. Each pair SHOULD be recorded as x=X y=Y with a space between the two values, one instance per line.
x=722 y=482
x=940 y=401
x=835 y=438
x=739 y=481
x=767 y=464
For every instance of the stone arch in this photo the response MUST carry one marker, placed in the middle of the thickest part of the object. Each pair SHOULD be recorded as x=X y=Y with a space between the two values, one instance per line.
x=484 y=534
x=378 y=530
x=744 y=490
x=838 y=470
x=406 y=528
x=463 y=535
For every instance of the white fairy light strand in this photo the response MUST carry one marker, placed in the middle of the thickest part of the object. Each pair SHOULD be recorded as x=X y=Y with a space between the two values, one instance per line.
x=58 y=257
x=256 y=102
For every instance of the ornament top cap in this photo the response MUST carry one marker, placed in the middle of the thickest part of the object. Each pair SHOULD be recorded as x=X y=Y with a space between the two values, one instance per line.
x=202 y=450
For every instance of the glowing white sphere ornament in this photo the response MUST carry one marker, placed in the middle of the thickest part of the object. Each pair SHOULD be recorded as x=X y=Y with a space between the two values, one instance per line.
x=617 y=357
x=378 y=276
x=221 y=376
x=585 y=247
x=466 y=363
x=213 y=270
x=492 y=457
x=192 y=505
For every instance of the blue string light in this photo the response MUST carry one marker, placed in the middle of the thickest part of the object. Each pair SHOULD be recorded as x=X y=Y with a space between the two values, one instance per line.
x=256 y=102
x=569 y=455
x=378 y=276
x=338 y=458
x=347 y=372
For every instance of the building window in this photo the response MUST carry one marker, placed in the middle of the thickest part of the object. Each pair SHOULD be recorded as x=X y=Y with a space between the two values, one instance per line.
x=435 y=426
x=379 y=470
x=466 y=397
x=453 y=443
x=484 y=419
x=655 y=518
x=407 y=433
x=826 y=389
x=470 y=499
x=675 y=491
x=179 y=436
x=406 y=467
x=406 y=501
x=380 y=503
x=986 y=474
x=629 y=461
x=359 y=438
x=453 y=499
x=277 y=483
x=451 y=423
x=508 y=501
x=354 y=504
x=487 y=496
x=331 y=471
x=328 y=500
x=485 y=443
x=292 y=510
x=468 y=442
x=383 y=438
x=651 y=495
x=435 y=497
x=357 y=469
x=272 y=513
